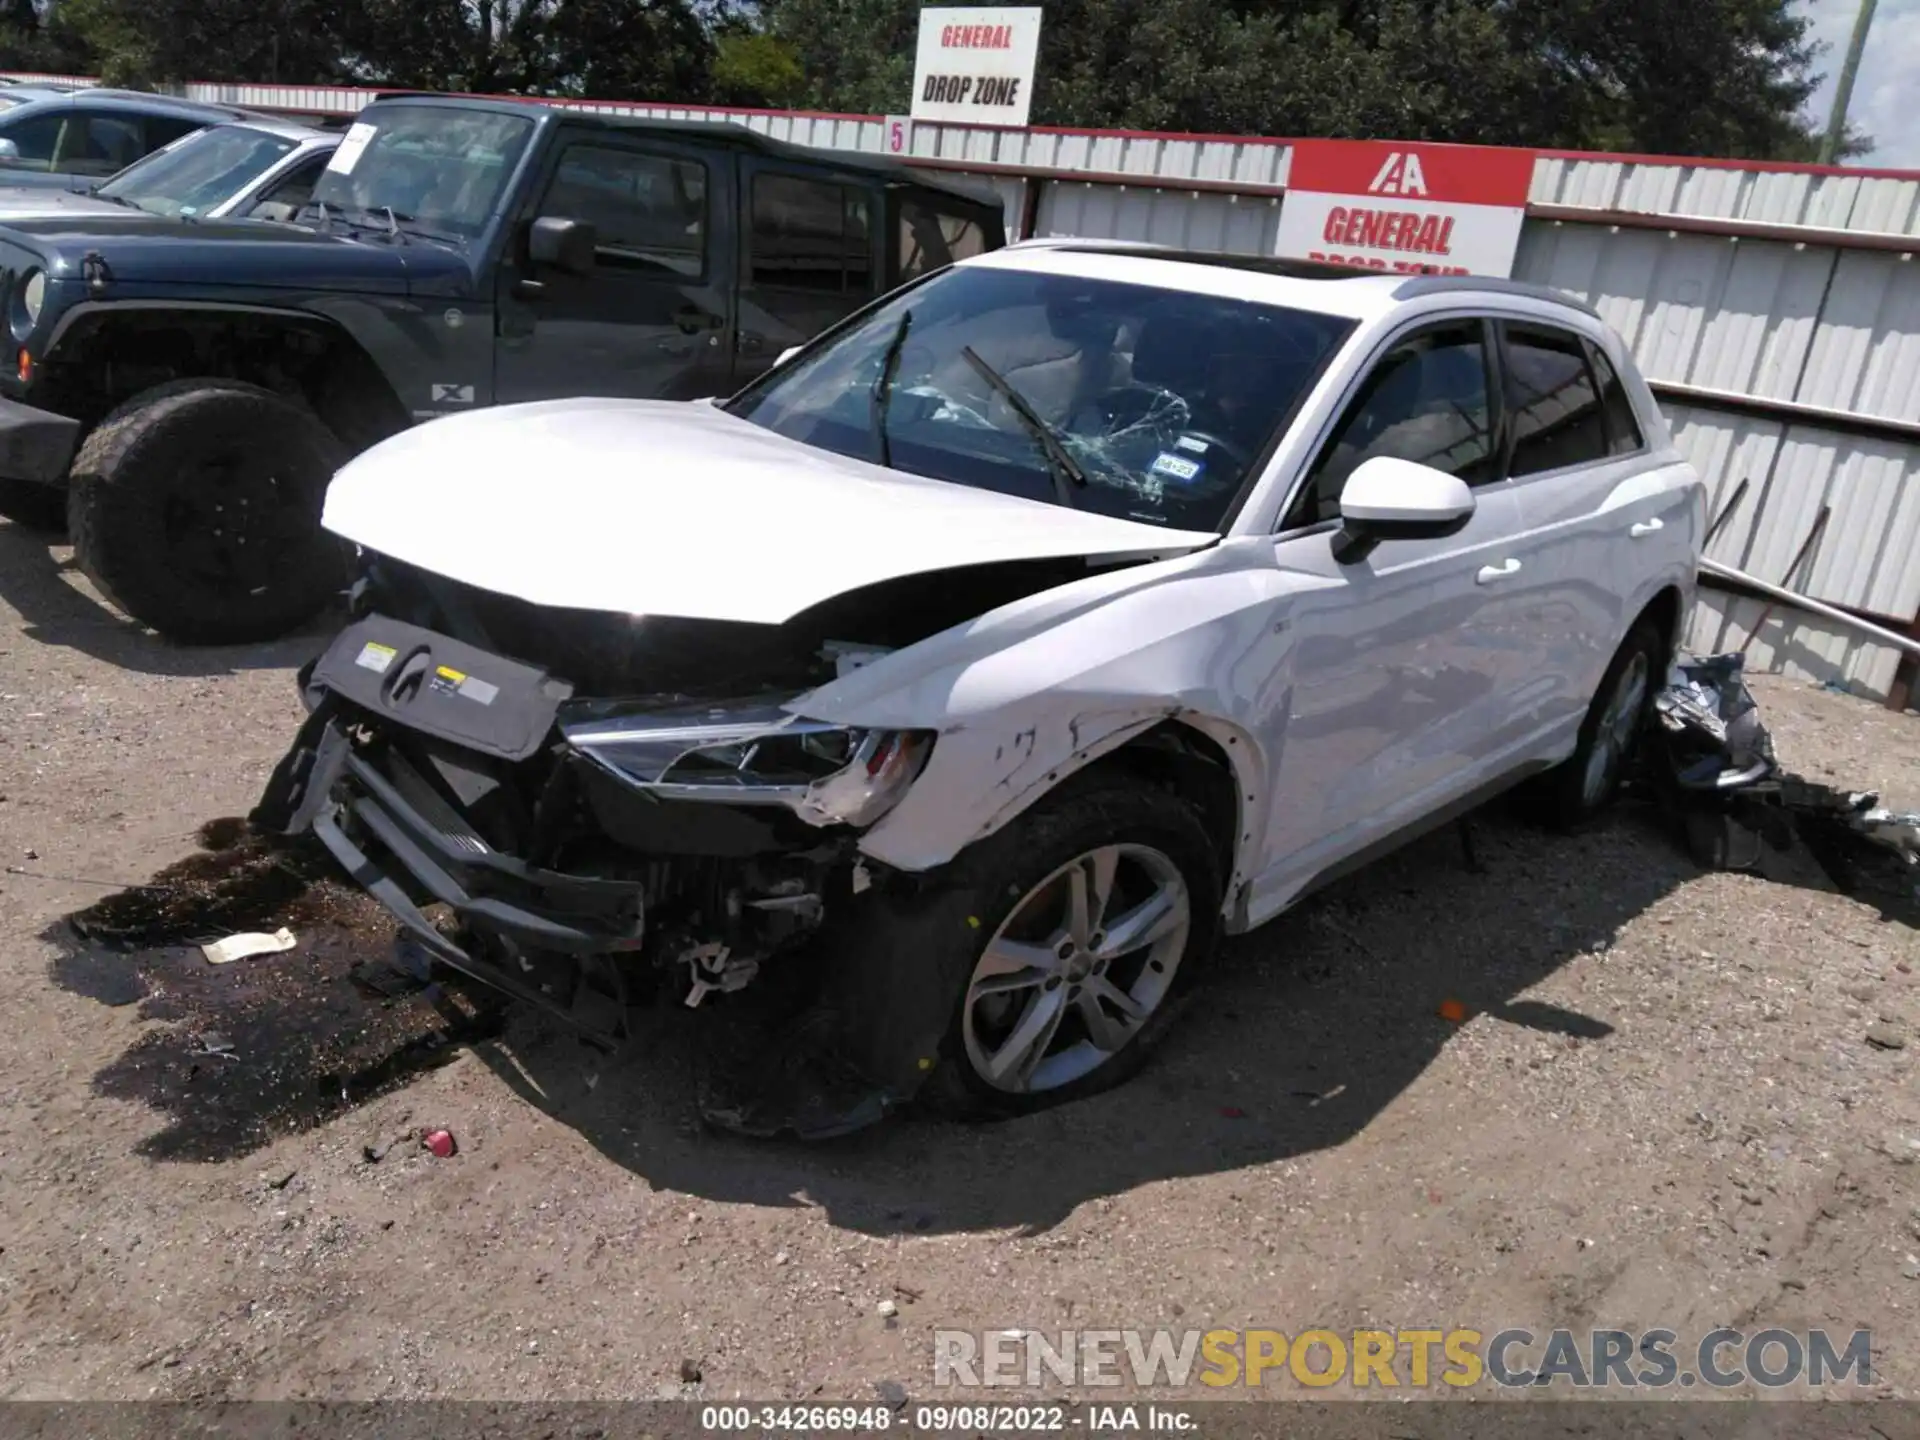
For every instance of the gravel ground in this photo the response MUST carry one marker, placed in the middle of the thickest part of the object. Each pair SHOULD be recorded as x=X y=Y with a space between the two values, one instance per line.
x=1661 y=1109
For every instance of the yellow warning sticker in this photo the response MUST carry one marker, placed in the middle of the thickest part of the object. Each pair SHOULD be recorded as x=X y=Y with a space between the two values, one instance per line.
x=449 y=674
x=374 y=656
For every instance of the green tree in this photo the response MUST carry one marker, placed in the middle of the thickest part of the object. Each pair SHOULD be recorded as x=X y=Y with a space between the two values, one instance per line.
x=1710 y=77
x=752 y=67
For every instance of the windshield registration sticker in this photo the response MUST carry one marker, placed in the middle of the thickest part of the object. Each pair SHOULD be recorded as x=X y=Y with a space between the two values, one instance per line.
x=1177 y=467
x=352 y=145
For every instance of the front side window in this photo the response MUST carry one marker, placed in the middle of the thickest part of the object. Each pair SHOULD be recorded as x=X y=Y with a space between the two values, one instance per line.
x=192 y=176
x=1557 y=420
x=931 y=239
x=810 y=235
x=1164 y=401
x=30 y=143
x=1427 y=400
x=283 y=199
x=649 y=211
x=436 y=170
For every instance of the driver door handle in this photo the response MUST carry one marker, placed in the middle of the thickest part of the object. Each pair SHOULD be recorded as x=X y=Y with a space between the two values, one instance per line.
x=1490 y=573
x=1645 y=528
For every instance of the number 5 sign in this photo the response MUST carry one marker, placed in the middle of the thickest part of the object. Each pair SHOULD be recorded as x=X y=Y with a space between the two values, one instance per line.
x=899 y=135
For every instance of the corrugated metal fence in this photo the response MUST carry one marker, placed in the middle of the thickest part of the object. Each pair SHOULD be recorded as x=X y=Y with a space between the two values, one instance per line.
x=1775 y=308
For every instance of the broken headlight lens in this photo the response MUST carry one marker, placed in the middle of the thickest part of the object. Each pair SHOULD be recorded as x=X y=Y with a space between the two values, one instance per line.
x=826 y=774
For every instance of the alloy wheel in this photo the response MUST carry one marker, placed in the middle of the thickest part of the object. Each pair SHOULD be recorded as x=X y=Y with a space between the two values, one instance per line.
x=1075 y=972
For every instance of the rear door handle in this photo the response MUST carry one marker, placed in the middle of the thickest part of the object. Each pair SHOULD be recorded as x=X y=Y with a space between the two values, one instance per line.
x=1490 y=573
x=1645 y=528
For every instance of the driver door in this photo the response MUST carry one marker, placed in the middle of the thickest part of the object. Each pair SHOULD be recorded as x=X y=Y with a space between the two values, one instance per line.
x=654 y=320
x=1393 y=700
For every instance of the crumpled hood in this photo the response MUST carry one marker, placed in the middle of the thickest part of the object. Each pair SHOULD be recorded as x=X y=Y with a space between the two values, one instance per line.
x=659 y=508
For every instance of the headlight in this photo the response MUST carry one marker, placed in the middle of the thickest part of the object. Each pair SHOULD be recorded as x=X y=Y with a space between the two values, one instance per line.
x=755 y=755
x=27 y=303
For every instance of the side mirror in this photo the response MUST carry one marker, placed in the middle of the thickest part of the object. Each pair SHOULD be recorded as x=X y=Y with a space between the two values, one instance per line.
x=9 y=152
x=562 y=244
x=1388 y=499
x=786 y=355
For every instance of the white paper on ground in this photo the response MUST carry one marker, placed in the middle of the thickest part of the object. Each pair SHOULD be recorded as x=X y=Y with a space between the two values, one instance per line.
x=243 y=947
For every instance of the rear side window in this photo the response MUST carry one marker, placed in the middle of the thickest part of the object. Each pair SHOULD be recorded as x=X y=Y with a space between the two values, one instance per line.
x=1624 y=436
x=165 y=129
x=931 y=239
x=1427 y=400
x=98 y=144
x=810 y=235
x=1557 y=420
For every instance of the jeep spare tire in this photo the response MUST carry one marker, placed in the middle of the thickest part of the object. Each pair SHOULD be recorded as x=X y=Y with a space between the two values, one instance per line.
x=195 y=507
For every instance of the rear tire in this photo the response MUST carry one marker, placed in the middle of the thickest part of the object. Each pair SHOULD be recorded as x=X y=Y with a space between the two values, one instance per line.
x=195 y=507
x=1574 y=792
x=40 y=508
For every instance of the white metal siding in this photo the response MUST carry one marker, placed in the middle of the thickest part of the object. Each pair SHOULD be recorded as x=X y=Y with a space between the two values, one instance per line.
x=1197 y=220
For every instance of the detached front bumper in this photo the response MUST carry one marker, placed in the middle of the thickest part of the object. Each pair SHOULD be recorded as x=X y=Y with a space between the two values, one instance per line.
x=397 y=840
x=36 y=445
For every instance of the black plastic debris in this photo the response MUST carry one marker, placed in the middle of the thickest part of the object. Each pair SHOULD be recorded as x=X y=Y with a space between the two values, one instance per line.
x=1710 y=760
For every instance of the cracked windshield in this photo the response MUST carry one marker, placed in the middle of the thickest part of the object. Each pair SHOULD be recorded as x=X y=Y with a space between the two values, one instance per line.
x=1123 y=399
x=432 y=170
x=196 y=173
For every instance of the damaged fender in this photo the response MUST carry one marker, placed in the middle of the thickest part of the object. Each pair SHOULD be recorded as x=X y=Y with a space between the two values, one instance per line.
x=1038 y=690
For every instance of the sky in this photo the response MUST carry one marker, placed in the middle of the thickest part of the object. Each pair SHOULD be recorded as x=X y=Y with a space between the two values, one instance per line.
x=1890 y=67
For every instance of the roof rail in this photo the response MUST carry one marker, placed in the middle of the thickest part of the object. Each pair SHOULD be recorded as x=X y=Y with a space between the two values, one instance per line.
x=1415 y=286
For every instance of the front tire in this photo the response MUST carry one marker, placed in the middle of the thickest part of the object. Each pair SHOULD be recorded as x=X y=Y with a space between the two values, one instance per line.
x=195 y=507
x=1088 y=919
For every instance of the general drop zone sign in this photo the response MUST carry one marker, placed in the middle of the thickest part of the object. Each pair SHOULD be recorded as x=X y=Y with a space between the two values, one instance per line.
x=975 y=66
x=1415 y=209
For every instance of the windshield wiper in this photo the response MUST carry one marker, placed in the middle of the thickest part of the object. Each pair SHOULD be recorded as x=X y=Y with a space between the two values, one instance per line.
x=1064 y=467
x=883 y=387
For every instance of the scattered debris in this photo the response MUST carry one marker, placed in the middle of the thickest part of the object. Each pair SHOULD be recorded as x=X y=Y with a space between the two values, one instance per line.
x=781 y=1258
x=1886 y=1037
x=247 y=945
x=1232 y=1112
x=887 y=1309
x=892 y=1393
x=906 y=1292
x=1721 y=779
x=690 y=1372
x=280 y=1182
x=1454 y=1011
x=440 y=1142
x=214 y=1043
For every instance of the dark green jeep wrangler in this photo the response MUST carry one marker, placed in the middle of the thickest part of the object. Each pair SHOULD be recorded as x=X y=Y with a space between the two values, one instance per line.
x=182 y=392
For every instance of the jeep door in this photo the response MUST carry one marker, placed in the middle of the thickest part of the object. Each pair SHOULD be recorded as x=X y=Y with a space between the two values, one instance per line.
x=652 y=320
x=1392 y=703
x=809 y=255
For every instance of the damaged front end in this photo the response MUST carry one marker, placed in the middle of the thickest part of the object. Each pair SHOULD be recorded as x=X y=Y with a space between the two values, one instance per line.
x=570 y=838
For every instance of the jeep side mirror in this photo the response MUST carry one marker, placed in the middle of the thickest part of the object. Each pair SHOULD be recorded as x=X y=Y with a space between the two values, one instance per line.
x=1389 y=499
x=9 y=152
x=562 y=244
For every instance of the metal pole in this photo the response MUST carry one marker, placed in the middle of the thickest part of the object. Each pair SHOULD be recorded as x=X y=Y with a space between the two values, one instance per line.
x=1843 y=93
